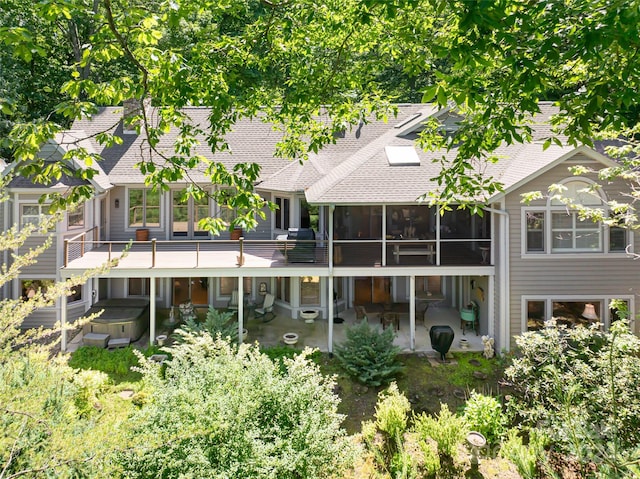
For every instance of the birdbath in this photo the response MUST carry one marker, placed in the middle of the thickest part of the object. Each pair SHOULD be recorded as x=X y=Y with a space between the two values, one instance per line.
x=476 y=442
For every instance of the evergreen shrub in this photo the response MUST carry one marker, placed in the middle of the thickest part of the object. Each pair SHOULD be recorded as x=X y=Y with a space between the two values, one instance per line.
x=369 y=355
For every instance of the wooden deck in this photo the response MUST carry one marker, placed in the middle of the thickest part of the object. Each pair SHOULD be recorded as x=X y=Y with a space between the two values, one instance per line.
x=226 y=254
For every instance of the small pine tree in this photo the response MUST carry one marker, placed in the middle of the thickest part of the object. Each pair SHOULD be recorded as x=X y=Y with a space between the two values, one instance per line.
x=369 y=355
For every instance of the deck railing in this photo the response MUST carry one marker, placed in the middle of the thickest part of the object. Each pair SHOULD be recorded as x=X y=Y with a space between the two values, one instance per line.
x=391 y=253
x=285 y=251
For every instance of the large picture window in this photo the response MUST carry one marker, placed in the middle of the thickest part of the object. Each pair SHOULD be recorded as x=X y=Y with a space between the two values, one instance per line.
x=569 y=312
x=144 y=208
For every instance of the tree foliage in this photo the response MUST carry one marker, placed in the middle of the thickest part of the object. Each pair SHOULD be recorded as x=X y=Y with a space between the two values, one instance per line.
x=222 y=411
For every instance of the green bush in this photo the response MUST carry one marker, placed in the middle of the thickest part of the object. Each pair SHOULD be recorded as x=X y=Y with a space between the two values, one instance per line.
x=216 y=323
x=385 y=438
x=526 y=458
x=484 y=415
x=582 y=385
x=447 y=429
x=226 y=411
x=369 y=355
x=89 y=384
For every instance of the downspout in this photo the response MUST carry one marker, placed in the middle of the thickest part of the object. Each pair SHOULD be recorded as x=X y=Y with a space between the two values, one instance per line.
x=503 y=286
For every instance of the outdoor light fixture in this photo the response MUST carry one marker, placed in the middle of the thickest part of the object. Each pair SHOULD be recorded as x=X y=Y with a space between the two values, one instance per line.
x=589 y=312
x=117 y=202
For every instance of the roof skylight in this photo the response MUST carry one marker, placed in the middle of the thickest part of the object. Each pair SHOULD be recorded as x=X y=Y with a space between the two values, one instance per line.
x=402 y=155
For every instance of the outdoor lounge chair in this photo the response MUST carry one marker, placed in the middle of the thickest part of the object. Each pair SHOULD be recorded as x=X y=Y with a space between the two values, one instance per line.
x=266 y=310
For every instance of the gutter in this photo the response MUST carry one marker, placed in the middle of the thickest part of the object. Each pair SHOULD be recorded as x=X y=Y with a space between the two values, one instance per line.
x=503 y=286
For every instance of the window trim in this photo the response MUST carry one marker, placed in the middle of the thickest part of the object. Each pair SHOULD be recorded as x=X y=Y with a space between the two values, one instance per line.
x=604 y=305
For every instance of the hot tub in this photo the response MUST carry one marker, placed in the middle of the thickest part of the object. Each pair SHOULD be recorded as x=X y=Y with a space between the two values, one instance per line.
x=122 y=318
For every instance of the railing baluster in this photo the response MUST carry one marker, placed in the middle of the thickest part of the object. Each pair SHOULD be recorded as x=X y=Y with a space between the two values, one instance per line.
x=153 y=253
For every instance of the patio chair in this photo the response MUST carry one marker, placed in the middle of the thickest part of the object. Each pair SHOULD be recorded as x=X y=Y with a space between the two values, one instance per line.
x=266 y=310
x=233 y=302
x=361 y=313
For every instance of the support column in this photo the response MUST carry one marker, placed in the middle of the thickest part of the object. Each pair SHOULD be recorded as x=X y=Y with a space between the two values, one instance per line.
x=240 y=308
x=152 y=311
x=63 y=324
x=412 y=312
x=331 y=314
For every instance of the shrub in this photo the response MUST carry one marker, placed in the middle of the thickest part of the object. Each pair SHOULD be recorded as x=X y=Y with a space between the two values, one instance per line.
x=385 y=439
x=484 y=414
x=89 y=384
x=447 y=429
x=226 y=411
x=526 y=458
x=216 y=323
x=368 y=354
x=581 y=383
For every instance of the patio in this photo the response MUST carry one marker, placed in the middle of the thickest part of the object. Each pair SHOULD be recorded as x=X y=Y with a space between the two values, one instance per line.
x=315 y=334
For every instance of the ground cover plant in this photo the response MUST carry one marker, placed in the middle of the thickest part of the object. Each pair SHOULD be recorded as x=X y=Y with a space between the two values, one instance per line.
x=117 y=363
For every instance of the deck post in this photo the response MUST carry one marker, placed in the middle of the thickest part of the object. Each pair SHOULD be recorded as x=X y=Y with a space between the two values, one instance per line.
x=152 y=310
x=412 y=312
x=153 y=252
x=66 y=253
x=240 y=305
x=241 y=256
x=330 y=318
x=63 y=322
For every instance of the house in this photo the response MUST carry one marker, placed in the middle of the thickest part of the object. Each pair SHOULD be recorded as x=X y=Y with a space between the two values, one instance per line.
x=375 y=243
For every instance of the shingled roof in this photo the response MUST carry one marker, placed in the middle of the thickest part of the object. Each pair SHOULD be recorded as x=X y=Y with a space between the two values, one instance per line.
x=355 y=169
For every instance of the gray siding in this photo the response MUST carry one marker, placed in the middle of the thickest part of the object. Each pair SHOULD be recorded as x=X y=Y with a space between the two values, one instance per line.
x=118 y=216
x=586 y=275
x=46 y=265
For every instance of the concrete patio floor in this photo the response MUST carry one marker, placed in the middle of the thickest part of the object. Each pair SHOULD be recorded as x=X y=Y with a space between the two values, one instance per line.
x=315 y=335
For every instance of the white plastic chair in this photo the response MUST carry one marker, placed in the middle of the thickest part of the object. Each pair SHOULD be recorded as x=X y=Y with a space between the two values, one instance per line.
x=266 y=310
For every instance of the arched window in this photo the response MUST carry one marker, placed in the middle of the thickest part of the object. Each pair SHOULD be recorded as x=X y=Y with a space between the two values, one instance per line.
x=568 y=232
x=557 y=228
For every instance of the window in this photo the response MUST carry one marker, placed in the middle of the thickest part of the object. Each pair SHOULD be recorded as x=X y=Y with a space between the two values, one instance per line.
x=75 y=218
x=33 y=214
x=227 y=285
x=141 y=286
x=309 y=290
x=144 y=208
x=556 y=229
x=535 y=231
x=565 y=313
x=30 y=287
x=282 y=213
x=570 y=233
